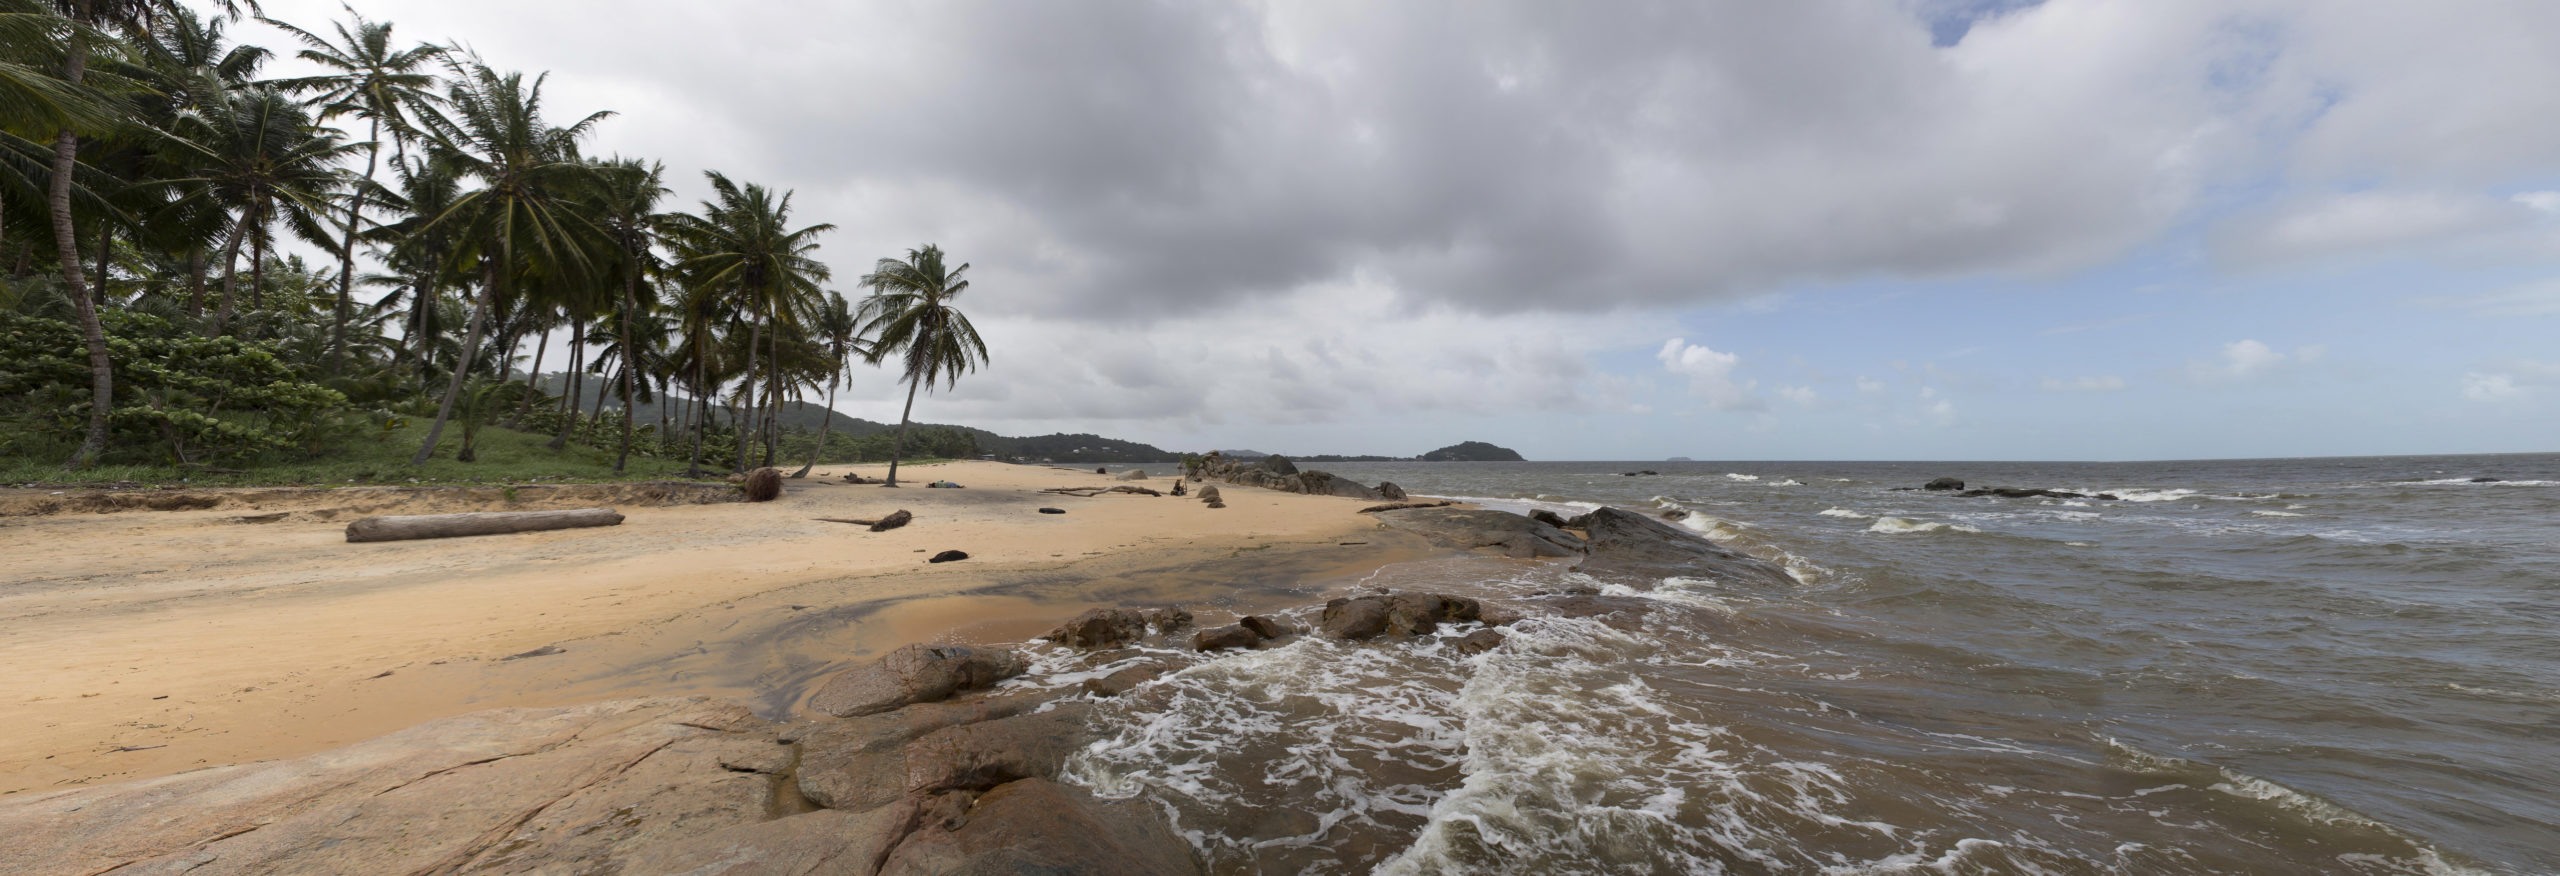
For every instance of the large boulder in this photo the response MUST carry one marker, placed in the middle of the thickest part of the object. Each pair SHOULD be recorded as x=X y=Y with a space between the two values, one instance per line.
x=1101 y=628
x=859 y=763
x=914 y=674
x=1223 y=638
x=1133 y=475
x=825 y=841
x=1279 y=465
x=980 y=756
x=1389 y=491
x=1638 y=550
x=1503 y=532
x=1320 y=483
x=1403 y=614
x=1036 y=826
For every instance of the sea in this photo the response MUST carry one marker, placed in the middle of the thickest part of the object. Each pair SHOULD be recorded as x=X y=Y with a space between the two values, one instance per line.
x=2266 y=666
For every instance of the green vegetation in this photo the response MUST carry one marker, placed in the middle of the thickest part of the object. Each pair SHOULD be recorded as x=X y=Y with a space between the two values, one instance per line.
x=150 y=331
x=1472 y=451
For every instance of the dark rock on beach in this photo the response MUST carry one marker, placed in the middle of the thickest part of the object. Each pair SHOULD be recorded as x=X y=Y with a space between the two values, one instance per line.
x=1264 y=626
x=1036 y=826
x=1053 y=510
x=1101 y=628
x=1547 y=517
x=1639 y=550
x=1389 y=491
x=1222 y=638
x=914 y=674
x=1500 y=531
x=1404 y=614
x=895 y=519
x=948 y=556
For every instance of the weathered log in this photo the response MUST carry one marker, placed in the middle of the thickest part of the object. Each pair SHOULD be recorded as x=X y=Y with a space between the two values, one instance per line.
x=1399 y=506
x=412 y=526
x=1090 y=492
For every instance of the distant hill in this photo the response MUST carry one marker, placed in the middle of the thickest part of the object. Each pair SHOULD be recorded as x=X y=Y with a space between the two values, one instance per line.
x=1473 y=451
x=806 y=416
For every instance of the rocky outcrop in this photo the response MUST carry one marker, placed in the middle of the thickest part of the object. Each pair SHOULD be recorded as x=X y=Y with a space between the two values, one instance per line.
x=1943 y=484
x=1133 y=475
x=1389 y=491
x=1038 y=826
x=1639 y=550
x=1278 y=473
x=1502 y=532
x=913 y=674
x=1223 y=638
x=1101 y=628
x=1472 y=451
x=1403 y=614
x=2035 y=493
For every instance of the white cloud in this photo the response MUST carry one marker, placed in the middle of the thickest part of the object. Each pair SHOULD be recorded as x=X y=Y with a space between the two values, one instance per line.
x=2514 y=380
x=2369 y=222
x=2101 y=383
x=2493 y=388
x=2538 y=298
x=1800 y=395
x=1870 y=386
x=2250 y=359
x=1710 y=374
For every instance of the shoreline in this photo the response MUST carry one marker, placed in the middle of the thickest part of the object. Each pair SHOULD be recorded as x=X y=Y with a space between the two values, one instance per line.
x=186 y=640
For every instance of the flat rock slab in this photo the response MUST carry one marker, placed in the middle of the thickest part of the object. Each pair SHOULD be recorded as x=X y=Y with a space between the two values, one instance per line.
x=914 y=674
x=1638 y=550
x=1500 y=531
x=1035 y=826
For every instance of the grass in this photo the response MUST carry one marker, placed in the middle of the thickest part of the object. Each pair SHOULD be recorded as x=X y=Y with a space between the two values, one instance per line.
x=505 y=456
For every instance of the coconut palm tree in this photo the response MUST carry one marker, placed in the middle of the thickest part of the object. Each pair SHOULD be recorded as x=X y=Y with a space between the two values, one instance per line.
x=529 y=171
x=839 y=331
x=909 y=315
x=258 y=154
x=625 y=206
x=371 y=80
x=742 y=242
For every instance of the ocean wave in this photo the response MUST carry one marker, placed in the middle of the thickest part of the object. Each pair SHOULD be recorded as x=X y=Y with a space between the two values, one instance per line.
x=1790 y=482
x=1904 y=525
x=1844 y=512
x=2279 y=513
x=1740 y=477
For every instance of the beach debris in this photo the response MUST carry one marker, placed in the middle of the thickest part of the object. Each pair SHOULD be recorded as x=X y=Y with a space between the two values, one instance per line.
x=914 y=674
x=895 y=519
x=415 y=526
x=1053 y=510
x=262 y=518
x=948 y=556
x=1101 y=628
x=943 y=485
x=857 y=521
x=544 y=651
x=135 y=748
x=764 y=484
x=1222 y=638
x=1090 y=492
x=1943 y=484
x=857 y=478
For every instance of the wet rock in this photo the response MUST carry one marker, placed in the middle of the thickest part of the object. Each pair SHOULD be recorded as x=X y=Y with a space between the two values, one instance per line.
x=1123 y=680
x=1943 y=484
x=1222 y=638
x=1500 y=531
x=1035 y=826
x=1478 y=642
x=808 y=843
x=1638 y=550
x=1355 y=618
x=1101 y=628
x=1053 y=510
x=1636 y=474
x=895 y=519
x=2030 y=493
x=1547 y=517
x=2473 y=480
x=948 y=556
x=1389 y=491
x=979 y=756
x=1497 y=616
x=859 y=763
x=913 y=674
x=1266 y=627
x=1167 y=619
x=1676 y=514
x=1619 y=612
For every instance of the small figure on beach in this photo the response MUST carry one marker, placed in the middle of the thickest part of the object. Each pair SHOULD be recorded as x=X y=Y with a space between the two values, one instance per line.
x=1177 y=488
x=942 y=485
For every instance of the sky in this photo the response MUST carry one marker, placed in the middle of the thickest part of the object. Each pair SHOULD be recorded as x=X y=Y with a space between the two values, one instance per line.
x=1821 y=229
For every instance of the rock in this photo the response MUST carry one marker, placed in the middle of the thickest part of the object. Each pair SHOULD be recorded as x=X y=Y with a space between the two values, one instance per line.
x=1036 y=826
x=980 y=756
x=1501 y=531
x=1355 y=618
x=948 y=556
x=1472 y=451
x=1645 y=473
x=1317 y=483
x=1167 y=619
x=1122 y=680
x=1619 y=612
x=1213 y=503
x=1264 y=626
x=1496 y=616
x=1547 y=517
x=1389 y=491
x=1100 y=470
x=1222 y=638
x=2026 y=493
x=895 y=519
x=1638 y=550
x=853 y=478
x=1676 y=514
x=1101 y=628
x=1943 y=484
x=1407 y=617
x=764 y=484
x=812 y=842
x=1399 y=506
x=1053 y=510
x=862 y=762
x=2473 y=480
x=913 y=674
x=1133 y=475
x=582 y=788
x=1478 y=642
x=1279 y=465
x=1209 y=494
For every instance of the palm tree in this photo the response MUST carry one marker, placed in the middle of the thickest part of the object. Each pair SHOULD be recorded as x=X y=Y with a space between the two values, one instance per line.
x=741 y=243
x=626 y=206
x=260 y=155
x=840 y=332
x=528 y=171
x=909 y=315
x=369 y=80
x=135 y=18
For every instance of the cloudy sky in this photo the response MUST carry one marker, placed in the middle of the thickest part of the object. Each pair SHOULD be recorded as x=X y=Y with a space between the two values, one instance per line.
x=1821 y=229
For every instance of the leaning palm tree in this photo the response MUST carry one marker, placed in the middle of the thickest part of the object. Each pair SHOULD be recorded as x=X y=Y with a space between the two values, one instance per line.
x=258 y=154
x=839 y=331
x=909 y=315
x=626 y=208
x=528 y=170
x=743 y=243
x=371 y=80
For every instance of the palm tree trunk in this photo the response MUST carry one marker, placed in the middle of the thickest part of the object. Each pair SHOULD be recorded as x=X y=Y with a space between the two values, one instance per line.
x=630 y=361
x=230 y=274
x=694 y=468
x=754 y=336
x=258 y=264
x=575 y=385
x=462 y=367
x=66 y=155
x=347 y=252
x=195 y=281
x=899 y=449
x=540 y=347
x=823 y=426
x=773 y=386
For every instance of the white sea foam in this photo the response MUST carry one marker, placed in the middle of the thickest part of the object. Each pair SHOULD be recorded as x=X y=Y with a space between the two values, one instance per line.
x=2278 y=513
x=2153 y=495
x=1844 y=512
x=1741 y=477
x=1790 y=482
x=1903 y=525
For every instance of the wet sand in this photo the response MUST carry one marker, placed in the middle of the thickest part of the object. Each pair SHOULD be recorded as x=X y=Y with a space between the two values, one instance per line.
x=145 y=643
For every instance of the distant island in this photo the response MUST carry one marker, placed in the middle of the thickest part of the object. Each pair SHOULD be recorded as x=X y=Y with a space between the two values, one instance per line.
x=1473 y=451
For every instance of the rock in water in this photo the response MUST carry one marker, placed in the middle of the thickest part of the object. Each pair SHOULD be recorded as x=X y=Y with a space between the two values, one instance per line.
x=1943 y=484
x=1638 y=551
x=1502 y=531
x=1547 y=517
x=764 y=484
x=1264 y=626
x=1101 y=628
x=1221 y=638
x=1167 y=620
x=1122 y=681
x=948 y=556
x=980 y=756
x=1039 y=826
x=913 y=674
x=895 y=519
x=1357 y=618
x=1478 y=642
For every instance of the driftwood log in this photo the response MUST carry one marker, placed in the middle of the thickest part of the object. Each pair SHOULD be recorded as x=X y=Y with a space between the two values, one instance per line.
x=411 y=526
x=1399 y=506
x=1090 y=492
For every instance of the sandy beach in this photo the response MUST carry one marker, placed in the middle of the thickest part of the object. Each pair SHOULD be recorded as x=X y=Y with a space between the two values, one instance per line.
x=145 y=643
